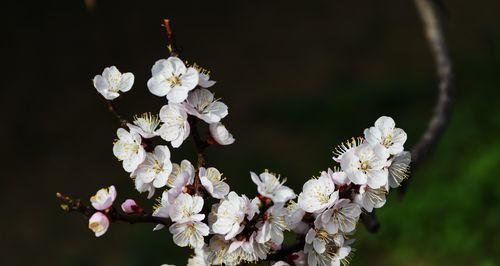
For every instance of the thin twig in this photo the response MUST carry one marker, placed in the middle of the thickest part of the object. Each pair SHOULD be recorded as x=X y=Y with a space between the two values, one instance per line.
x=70 y=205
x=199 y=143
x=172 y=47
x=112 y=110
x=430 y=14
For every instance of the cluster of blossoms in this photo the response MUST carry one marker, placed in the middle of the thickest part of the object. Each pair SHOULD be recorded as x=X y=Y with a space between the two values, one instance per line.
x=220 y=225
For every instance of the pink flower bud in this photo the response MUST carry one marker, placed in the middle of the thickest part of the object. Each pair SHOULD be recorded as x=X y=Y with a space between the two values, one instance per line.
x=299 y=258
x=99 y=223
x=130 y=206
x=275 y=246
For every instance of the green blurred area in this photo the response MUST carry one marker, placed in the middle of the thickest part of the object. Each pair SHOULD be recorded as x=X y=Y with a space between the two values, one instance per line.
x=298 y=78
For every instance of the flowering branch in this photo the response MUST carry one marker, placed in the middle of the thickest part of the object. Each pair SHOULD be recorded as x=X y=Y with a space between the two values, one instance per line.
x=430 y=15
x=224 y=227
x=70 y=205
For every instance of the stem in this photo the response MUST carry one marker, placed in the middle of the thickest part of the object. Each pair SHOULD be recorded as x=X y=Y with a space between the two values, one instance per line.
x=172 y=48
x=431 y=18
x=199 y=143
x=112 y=109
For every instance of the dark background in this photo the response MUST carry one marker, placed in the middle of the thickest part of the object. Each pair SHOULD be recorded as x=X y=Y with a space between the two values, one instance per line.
x=299 y=77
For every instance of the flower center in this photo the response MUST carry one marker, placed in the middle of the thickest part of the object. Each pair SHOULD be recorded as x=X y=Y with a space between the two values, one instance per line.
x=323 y=198
x=387 y=141
x=364 y=166
x=130 y=148
x=96 y=227
x=158 y=167
x=174 y=80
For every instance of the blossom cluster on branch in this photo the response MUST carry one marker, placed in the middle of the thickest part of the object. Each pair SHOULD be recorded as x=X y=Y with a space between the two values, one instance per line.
x=204 y=214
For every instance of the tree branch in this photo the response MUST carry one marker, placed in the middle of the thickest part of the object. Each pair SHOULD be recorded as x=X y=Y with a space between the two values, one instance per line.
x=171 y=45
x=70 y=205
x=199 y=143
x=430 y=15
x=112 y=110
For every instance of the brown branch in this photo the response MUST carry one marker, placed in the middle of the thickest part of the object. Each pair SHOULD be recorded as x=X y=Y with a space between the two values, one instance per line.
x=171 y=45
x=112 y=110
x=199 y=143
x=70 y=205
x=430 y=15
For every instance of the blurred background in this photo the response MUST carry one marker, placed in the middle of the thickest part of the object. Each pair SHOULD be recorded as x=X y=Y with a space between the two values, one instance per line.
x=299 y=77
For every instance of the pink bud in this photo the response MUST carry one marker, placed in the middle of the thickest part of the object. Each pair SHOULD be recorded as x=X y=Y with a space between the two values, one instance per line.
x=98 y=223
x=299 y=258
x=275 y=246
x=130 y=206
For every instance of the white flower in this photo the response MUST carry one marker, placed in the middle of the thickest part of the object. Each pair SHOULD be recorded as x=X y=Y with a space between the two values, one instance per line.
x=156 y=168
x=145 y=125
x=175 y=126
x=128 y=149
x=180 y=173
x=342 y=216
x=294 y=219
x=220 y=134
x=273 y=226
x=344 y=147
x=205 y=81
x=251 y=207
x=217 y=251
x=385 y=133
x=320 y=238
x=370 y=198
x=142 y=186
x=230 y=214
x=398 y=168
x=104 y=198
x=170 y=77
x=212 y=180
x=162 y=210
x=318 y=195
x=199 y=259
x=187 y=208
x=99 y=223
x=280 y=263
x=325 y=249
x=111 y=81
x=332 y=256
x=339 y=177
x=189 y=234
x=269 y=186
x=247 y=250
x=181 y=177
x=201 y=103
x=363 y=166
